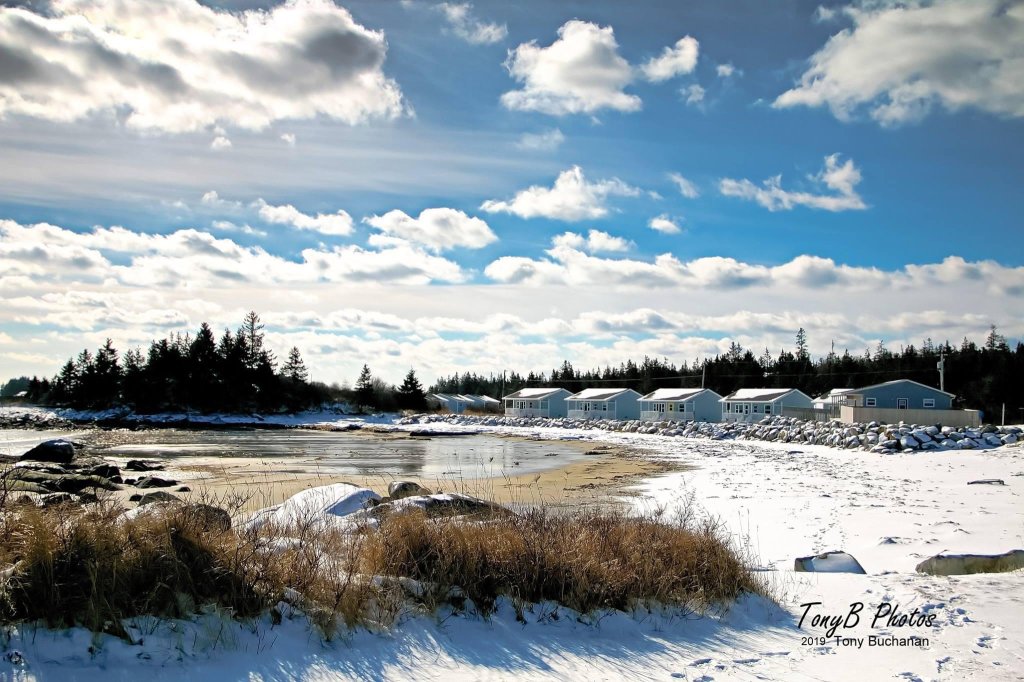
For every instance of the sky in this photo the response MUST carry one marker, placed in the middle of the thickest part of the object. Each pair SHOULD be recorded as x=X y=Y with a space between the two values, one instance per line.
x=495 y=186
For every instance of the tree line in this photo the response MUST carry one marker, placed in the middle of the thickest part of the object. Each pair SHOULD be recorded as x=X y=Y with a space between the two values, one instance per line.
x=981 y=377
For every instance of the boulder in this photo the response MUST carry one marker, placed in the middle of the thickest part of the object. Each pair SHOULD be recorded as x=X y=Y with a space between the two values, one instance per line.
x=909 y=442
x=155 y=497
x=829 y=562
x=58 y=451
x=966 y=564
x=140 y=465
x=59 y=483
x=315 y=506
x=154 y=482
x=399 y=489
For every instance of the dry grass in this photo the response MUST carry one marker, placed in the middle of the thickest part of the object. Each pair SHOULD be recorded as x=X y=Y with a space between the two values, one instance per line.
x=89 y=566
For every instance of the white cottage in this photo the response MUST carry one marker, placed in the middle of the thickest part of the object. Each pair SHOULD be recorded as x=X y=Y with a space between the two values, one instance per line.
x=753 y=404
x=536 y=402
x=604 y=403
x=681 y=404
x=484 y=403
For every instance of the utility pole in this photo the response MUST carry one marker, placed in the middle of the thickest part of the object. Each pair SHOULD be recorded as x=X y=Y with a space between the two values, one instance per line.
x=941 y=366
x=703 y=373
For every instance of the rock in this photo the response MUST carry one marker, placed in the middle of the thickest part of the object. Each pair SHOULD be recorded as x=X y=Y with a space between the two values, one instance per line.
x=440 y=504
x=58 y=451
x=909 y=442
x=140 y=465
x=53 y=499
x=987 y=481
x=60 y=483
x=135 y=497
x=990 y=428
x=156 y=496
x=154 y=482
x=1009 y=438
x=206 y=517
x=399 y=489
x=966 y=564
x=183 y=489
x=321 y=505
x=829 y=562
x=107 y=471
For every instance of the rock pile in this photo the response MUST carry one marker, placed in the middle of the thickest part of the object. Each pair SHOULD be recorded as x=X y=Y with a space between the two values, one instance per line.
x=873 y=437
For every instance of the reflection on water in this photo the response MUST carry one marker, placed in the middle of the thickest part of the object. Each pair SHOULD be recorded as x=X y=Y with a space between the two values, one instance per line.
x=474 y=456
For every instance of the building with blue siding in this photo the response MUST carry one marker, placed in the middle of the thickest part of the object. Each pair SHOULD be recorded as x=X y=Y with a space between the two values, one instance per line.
x=900 y=394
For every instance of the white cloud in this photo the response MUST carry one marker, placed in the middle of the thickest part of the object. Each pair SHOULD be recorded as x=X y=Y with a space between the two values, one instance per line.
x=438 y=229
x=664 y=224
x=544 y=141
x=335 y=224
x=187 y=67
x=686 y=188
x=842 y=179
x=900 y=60
x=572 y=198
x=220 y=143
x=694 y=94
x=679 y=59
x=468 y=27
x=581 y=72
x=596 y=241
x=289 y=139
x=726 y=70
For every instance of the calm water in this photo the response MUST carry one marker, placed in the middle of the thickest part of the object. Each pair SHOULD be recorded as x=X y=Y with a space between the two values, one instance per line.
x=475 y=456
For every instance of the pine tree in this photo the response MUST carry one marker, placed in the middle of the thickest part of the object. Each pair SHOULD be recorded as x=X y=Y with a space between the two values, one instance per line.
x=295 y=368
x=801 y=345
x=410 y=393
x=364 y=388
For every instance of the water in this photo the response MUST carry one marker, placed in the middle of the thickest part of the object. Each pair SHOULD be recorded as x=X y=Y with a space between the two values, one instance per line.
x=334 y=453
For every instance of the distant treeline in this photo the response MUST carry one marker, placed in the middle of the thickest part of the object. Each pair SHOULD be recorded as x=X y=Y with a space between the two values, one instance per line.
x=233 y=374
x=982 y=378
x=180 y=372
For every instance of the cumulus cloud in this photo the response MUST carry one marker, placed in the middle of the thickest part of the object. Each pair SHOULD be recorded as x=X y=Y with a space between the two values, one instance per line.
x=572 y=198
x=899 y=60
x=581 y=72
x=438 y=229
x=335 y=224
x=664 y=224
x=192 y=258
x=686 y=188
x=596 y=241
x=180 y=66
x=674 y=61
x=463 y=24
x=693 y=95
x=289 y=139
x=544 y=141
x=220 y=143
x=726 y=70
x=842 y=179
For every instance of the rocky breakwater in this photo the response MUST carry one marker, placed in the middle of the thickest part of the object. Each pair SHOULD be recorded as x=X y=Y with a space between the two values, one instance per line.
x=874 y=436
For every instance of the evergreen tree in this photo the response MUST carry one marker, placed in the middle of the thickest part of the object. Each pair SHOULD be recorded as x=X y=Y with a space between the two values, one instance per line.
x=801 y=345
x=364 y=388
x=295 y=368
x=410 y=393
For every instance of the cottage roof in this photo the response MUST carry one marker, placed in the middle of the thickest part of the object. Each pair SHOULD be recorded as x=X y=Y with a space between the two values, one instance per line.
x=601 y=393
x=673 y=393
x=758 y=395
x=533 y=393
x=901 y=381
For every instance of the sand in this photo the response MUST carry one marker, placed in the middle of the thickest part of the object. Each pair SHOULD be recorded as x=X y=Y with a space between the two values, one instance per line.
x=604 y=476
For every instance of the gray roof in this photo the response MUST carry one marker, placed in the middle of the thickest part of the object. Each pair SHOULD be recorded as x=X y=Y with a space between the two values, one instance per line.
x=901 y=381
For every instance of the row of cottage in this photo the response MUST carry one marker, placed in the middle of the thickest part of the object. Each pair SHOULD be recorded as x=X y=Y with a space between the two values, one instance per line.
x=700 y=404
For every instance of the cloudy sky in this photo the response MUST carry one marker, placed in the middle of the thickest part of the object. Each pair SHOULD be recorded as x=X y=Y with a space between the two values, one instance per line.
x=488 y=186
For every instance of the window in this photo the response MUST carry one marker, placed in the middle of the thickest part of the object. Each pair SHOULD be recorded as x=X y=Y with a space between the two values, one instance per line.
x=870 y=402
x=929 y=402
x=757 y=408
x=767 y=409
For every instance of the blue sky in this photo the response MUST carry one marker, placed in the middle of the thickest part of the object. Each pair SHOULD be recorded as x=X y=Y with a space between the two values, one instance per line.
x=850 y=168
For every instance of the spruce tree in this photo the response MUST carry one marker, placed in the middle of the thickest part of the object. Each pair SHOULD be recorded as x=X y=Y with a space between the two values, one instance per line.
x=364 y=388
x=410 y=393
x=295 y=368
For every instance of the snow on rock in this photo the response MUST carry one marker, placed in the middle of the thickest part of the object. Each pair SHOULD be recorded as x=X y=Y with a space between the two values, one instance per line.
x=324 y=504
x=829 y=562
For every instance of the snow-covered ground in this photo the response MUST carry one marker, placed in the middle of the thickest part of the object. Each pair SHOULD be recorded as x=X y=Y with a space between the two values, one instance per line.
x=778 y=501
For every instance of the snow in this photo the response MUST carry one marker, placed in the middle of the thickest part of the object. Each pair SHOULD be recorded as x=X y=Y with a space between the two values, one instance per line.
x=777 y=501
x=757 y=394
x=672 y=394
x=598 y=394
x=324 y=504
